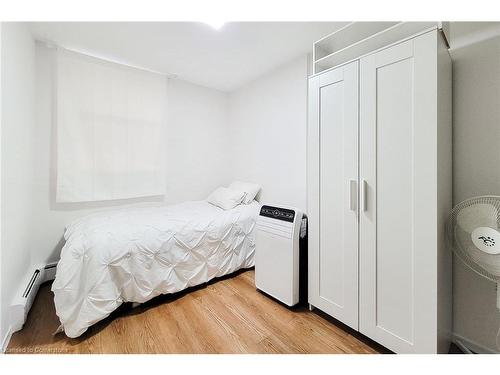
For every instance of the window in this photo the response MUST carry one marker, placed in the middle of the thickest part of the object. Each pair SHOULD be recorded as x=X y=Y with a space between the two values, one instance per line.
x=110 y=130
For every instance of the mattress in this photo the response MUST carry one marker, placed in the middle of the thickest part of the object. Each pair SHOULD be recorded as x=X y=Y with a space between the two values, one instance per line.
x=133 y=255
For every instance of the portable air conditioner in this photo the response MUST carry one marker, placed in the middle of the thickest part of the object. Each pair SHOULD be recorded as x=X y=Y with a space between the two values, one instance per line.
x=277 y=253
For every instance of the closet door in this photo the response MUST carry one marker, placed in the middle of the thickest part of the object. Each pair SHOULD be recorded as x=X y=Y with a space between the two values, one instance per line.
x=333 y=193
x=398 y=195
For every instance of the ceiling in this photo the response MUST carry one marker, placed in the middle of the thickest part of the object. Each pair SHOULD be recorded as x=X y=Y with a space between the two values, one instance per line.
x=223 y=59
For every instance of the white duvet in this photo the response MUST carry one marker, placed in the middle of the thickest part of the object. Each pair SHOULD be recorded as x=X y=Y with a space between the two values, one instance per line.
x=133 y=255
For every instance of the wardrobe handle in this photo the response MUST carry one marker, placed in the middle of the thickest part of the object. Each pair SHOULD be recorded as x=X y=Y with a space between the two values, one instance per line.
x=364 y=197
x=353 y=189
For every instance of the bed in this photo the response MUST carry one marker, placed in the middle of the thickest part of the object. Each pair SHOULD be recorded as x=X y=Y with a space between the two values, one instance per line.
x=134 y=255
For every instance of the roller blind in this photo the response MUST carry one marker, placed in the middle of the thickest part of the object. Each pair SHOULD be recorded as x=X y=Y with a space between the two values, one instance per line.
x=110 y=130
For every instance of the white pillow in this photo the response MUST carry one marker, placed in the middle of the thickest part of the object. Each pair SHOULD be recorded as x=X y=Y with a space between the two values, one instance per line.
x=226 y=198
x=250 y=189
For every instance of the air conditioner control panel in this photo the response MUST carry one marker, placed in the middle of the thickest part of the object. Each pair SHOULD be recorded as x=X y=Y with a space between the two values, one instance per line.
x=278 y=213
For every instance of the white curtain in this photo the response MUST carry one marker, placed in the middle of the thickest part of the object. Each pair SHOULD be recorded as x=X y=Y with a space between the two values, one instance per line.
x=110 y=130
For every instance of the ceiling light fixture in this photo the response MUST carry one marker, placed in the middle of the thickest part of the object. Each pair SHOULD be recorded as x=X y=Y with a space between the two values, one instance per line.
x=217 y=25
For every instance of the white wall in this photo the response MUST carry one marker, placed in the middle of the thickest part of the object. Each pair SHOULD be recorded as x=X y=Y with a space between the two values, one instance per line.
x=476 y=153
x=196 y=162
x=268 y=122
x=17 y=156
x=198 y=142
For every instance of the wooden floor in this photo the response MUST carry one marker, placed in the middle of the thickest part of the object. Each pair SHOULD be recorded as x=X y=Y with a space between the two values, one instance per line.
x=226 y=316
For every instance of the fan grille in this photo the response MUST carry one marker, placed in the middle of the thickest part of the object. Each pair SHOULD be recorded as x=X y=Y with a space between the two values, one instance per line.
x=474 y=212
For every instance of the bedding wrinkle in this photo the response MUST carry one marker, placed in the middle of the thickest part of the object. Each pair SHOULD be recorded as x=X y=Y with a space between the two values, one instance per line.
x=135 y=254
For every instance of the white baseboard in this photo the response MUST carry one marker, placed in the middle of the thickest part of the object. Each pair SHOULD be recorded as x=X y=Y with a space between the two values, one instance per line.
x=6 y=340
x=474 y=346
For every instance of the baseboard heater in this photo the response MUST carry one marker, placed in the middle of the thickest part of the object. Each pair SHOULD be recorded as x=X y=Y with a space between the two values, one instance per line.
x=50 y=271
x=26 y=295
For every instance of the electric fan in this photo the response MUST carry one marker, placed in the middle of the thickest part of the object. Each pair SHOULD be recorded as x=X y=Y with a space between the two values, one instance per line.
x=473 y=235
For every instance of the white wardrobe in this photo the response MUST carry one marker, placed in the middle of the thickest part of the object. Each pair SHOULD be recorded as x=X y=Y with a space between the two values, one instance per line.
x=379 y=193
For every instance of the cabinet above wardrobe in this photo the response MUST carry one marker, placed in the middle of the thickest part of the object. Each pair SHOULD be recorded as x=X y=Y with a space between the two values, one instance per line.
x=359 y=38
